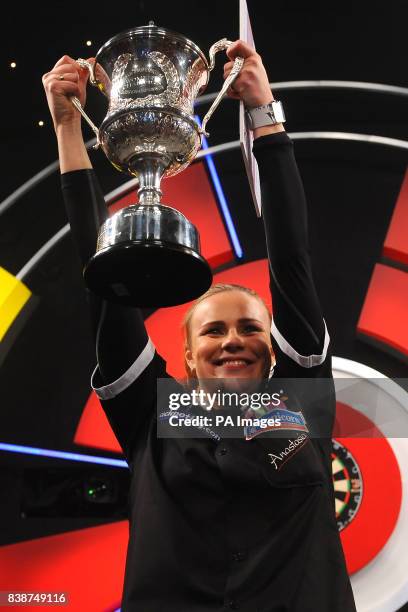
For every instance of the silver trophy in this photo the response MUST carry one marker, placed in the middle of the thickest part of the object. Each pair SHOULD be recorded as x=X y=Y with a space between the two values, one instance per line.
x=148 y=254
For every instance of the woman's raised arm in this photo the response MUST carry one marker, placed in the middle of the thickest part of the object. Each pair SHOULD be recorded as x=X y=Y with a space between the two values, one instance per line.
x=298 y=328
x=125 y=355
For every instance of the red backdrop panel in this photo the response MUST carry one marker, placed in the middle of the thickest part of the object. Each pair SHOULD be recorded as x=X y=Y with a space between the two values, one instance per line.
x=93 y=428
x=384 y=314
x=396 y=242
x=87 y=564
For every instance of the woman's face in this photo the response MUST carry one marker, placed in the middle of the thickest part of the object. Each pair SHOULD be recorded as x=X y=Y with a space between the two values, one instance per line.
x=230 y=337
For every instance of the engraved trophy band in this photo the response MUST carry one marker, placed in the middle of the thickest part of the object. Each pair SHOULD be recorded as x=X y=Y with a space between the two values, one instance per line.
x=148 y=254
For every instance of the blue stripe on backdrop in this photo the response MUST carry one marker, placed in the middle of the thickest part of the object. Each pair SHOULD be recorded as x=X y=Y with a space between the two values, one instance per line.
x=221 y=198
x=44 y=452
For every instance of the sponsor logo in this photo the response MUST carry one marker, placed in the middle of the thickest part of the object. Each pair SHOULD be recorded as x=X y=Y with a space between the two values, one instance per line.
x=268 y=422
x=290 y=419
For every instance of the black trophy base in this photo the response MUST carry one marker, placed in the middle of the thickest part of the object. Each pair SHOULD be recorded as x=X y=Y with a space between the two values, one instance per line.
x=148 y=274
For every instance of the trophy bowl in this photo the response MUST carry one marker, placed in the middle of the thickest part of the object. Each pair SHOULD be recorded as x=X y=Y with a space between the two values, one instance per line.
x=148 y=254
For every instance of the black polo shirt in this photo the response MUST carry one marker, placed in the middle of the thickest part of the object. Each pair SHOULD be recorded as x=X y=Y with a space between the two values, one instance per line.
x=218 y=524
x=215 y=524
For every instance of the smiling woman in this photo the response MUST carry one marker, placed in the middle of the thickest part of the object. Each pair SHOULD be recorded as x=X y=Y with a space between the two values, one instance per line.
x=217 y=522
x=227 y=334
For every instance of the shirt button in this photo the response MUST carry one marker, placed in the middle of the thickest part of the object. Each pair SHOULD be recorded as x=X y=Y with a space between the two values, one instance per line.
x=223 y=451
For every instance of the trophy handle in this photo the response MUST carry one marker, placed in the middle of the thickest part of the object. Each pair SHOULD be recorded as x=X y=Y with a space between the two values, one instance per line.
x=220 y=45
x=89 y=121
x=101 y=86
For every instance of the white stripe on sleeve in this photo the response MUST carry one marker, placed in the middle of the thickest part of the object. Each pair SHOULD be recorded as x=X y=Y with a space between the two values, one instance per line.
x=123 y=382
x=306 y=361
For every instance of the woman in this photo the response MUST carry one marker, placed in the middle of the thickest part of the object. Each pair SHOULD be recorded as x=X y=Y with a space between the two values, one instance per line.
x=219 y=523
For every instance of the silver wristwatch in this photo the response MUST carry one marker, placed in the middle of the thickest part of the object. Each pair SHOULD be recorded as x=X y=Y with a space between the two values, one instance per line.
x=267 y=114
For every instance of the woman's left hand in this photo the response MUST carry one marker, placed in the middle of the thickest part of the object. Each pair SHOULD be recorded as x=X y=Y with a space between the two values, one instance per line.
x=252 y=84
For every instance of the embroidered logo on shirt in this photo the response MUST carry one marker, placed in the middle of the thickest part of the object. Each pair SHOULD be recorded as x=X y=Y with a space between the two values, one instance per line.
x=268 y=422
x=290 y=419
x=279 y=459
x=278 y=419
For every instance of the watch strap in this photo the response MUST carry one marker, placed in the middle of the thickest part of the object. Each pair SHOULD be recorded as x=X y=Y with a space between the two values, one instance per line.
x=267 y=114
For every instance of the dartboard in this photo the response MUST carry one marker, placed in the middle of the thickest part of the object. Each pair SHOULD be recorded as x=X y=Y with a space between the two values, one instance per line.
x=347 y=483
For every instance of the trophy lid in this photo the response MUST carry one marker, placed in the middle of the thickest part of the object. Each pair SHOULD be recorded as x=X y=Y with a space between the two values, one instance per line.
x=151 y=31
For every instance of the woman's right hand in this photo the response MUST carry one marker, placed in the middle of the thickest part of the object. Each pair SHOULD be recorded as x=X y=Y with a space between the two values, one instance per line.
x=59 y=91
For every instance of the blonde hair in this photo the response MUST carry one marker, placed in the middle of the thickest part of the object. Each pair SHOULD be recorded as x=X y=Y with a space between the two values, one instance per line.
x=214 y=290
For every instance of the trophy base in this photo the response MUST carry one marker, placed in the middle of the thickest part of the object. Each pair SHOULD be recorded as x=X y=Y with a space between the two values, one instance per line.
x=148 y=274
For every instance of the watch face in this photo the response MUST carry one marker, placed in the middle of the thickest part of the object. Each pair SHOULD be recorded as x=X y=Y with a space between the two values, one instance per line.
x=347 y=483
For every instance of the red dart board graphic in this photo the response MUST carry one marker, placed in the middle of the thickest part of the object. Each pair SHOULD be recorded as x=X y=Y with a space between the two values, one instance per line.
x=369 y=491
